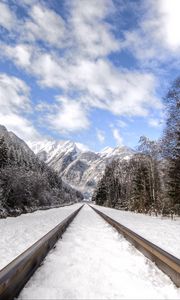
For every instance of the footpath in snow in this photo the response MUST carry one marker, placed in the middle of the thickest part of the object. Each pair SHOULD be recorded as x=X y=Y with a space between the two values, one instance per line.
x=19 y=233
x=92 y=261
x=162 y=231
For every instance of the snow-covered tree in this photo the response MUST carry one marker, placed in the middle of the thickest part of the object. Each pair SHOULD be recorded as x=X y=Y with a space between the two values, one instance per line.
x=3 y=153
x=171 y=144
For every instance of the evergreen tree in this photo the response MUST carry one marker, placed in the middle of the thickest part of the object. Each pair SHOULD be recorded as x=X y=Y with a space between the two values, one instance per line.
x=100 y=194
x=171 y=144
x=140 y=187
x=3 y=153
x=128 y=185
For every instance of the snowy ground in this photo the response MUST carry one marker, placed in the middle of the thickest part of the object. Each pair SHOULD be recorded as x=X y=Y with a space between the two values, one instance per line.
x=92 y=261
x=163 y=232
x=19 y=233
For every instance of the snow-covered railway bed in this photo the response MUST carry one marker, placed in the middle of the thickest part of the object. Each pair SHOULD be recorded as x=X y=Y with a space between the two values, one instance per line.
x=168 y=263
x=93 y=261
x=16 y=274
x=162 y=231
x=19 y=233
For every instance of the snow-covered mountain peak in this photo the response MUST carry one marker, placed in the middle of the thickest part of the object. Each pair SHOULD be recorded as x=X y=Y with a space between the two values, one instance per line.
x=118 y=151
x=56 y=153
x=106 y=151
x=52 y=147
x=122 y=150
x=77 y=165
x=16 y=146
x=2 y=129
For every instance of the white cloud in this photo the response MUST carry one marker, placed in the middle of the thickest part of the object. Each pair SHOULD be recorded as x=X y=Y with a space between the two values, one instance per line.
x=14 y=94
x=71 y=116
x=93 y=35
x=83 y=68
x=50 y=70
x=43 y=106
x=100 y=136
x=101 y=84
x=155 y=122
x=170 y=23
x=40 y=24
x=82 y=147
x=7 y=17
x=44 y=24
x=157 y=36
x=121 y=123
x=14 y=101
x=121 y=92
x=117 y=136
x=21 y=54
x=19 y=125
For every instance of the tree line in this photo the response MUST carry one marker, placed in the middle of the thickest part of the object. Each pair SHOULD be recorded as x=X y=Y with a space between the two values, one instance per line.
x=149 y=182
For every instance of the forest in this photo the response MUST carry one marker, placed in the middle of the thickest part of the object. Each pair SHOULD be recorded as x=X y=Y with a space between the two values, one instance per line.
x=149 y=182
x=26 y=183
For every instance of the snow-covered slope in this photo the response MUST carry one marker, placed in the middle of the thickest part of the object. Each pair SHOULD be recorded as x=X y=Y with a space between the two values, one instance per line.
x=122 y=152
x=57 y=154
x=16 y=145
x=81 y=169
x=52 y=148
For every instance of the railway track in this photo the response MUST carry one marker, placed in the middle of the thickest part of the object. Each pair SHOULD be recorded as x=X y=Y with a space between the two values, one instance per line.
x=15 y=275
x=166 y=262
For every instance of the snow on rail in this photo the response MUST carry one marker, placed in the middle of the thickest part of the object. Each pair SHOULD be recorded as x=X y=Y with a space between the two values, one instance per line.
x=92 y=261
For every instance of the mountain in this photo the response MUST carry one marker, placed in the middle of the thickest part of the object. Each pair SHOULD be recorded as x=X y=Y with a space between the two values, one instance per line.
x=26 y=182
x=15 y=144
x=81 y=169
x=56 y=154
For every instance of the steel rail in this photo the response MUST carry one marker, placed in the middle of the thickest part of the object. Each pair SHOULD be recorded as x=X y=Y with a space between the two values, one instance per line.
x=16 y=274
x=168 y=263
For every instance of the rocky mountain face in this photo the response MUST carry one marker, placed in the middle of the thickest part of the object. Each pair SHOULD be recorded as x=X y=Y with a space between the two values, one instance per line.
x=81 y=169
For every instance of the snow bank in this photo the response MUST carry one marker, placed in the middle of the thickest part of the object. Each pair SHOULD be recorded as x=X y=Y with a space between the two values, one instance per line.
x=92 y=261
x=164 y=232
x=19 y=233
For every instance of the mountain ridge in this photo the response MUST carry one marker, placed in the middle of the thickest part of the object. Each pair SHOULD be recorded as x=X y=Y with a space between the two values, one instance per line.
x=82 y=169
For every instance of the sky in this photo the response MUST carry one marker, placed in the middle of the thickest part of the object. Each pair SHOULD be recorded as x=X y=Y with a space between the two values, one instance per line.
x=91 y=71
